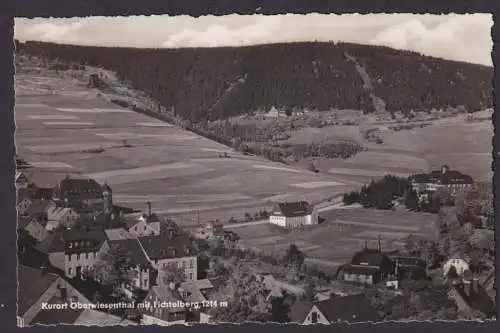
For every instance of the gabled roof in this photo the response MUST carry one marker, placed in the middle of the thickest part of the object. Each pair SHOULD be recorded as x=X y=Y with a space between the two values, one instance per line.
x=349 y=269
x=133 y=249
x=60 y=316
x=31 y=285
x=352 y=308
x=164 y=247
x=165 y=294
x=292 y=209
x=437 y=176
x=80 y=187
x=43 y=193
x=88 y=239
x=21 y=177
x=97 y=318
x=368 y=257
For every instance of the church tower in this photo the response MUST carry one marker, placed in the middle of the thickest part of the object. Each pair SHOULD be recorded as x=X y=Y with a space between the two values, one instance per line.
x=107 y=195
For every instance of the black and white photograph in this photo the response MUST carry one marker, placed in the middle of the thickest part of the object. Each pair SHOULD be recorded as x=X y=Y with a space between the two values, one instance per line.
x=307 y=169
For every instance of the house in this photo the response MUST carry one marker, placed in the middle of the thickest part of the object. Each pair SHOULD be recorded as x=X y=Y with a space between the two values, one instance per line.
x=143 y=271
x=60 y=217
x=293 y=214
x=39 y=286
x=35 y=228
x=460 y=265
x=368 y=266
x=444 y=178
x=146 y=225
x=470 y=296
x=275 y=113
x=74 y=250
x=28 y=253
x=77 y=192
x=155 y=314
x=352 y=308
x=21 y=180
x=166 y=250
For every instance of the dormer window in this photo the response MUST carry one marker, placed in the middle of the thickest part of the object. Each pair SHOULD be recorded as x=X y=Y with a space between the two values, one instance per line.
x=70 y=245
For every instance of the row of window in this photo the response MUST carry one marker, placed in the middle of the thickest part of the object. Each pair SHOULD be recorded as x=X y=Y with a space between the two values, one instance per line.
x=86 y=255
x=180 y=264
x=83 y=269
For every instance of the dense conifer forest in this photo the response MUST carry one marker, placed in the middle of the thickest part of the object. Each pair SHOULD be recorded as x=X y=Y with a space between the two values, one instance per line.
x=215 y=83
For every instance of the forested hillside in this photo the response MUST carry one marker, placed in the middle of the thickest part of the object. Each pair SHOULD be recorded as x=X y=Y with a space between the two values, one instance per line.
x=216 y=83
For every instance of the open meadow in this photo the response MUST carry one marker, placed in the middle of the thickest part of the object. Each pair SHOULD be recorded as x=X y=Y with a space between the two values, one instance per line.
x=341 y=234
x=63 y=128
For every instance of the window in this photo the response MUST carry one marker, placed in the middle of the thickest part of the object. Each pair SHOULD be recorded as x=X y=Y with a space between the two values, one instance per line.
x=145 y=283
x=78 y=257
x=190 y=276
x=191 y=263
x=86 y=255
x=144 y=228
x=314 y=317
x=74 y=299
x=69 y=271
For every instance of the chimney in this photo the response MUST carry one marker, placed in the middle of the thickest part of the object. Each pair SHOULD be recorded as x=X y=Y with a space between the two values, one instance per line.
x=149 y=208
x=467 y=287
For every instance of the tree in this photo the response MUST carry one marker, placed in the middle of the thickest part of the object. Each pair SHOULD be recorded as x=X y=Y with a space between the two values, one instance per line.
x=173 y=273
x=113 y=270
x=294 y=257
x=410 y=199
x=309 y=293
x=247 y=300
x=452 y=273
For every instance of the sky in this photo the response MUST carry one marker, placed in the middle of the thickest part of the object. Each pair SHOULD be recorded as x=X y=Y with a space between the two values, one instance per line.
x=460 y=37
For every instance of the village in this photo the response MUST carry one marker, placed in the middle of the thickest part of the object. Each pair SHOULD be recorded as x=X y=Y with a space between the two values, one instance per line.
x=76 y=246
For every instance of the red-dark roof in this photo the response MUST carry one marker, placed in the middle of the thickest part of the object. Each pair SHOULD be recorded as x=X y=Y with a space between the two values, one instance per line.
x=54 y=317
x=352 y=308
x=438 y=177
x=44 y=193
x=164 y=247
x=292 y=209
x=369 y=257
x=31 y=285
x=133 y=249
x=80 y=188
x=359 y=270
x=86 y=240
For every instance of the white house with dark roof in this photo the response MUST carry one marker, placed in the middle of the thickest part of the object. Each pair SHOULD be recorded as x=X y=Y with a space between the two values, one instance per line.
x=460 y=265
x=21 y=180
x=75 y=250
x=293 y=214
x=163 y=316
x=146 y=225
x=437 y=179
x=167 y=250
x=368 y=266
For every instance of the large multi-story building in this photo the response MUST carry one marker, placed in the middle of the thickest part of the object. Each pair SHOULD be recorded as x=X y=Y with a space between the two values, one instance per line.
x=293 y=214
x=75 y=250
x=439 y=179
x=84 y=193
x=171 y=250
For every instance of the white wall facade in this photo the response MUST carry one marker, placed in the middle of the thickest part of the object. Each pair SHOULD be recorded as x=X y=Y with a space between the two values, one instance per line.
x=190 y=265
x=142 y=228
x=321 y=319
x=460 y=265
x=291 y=222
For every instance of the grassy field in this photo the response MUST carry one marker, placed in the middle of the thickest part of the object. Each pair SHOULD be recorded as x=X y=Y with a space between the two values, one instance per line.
x=343 y=232
x=464 y=146
x=143 y=159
